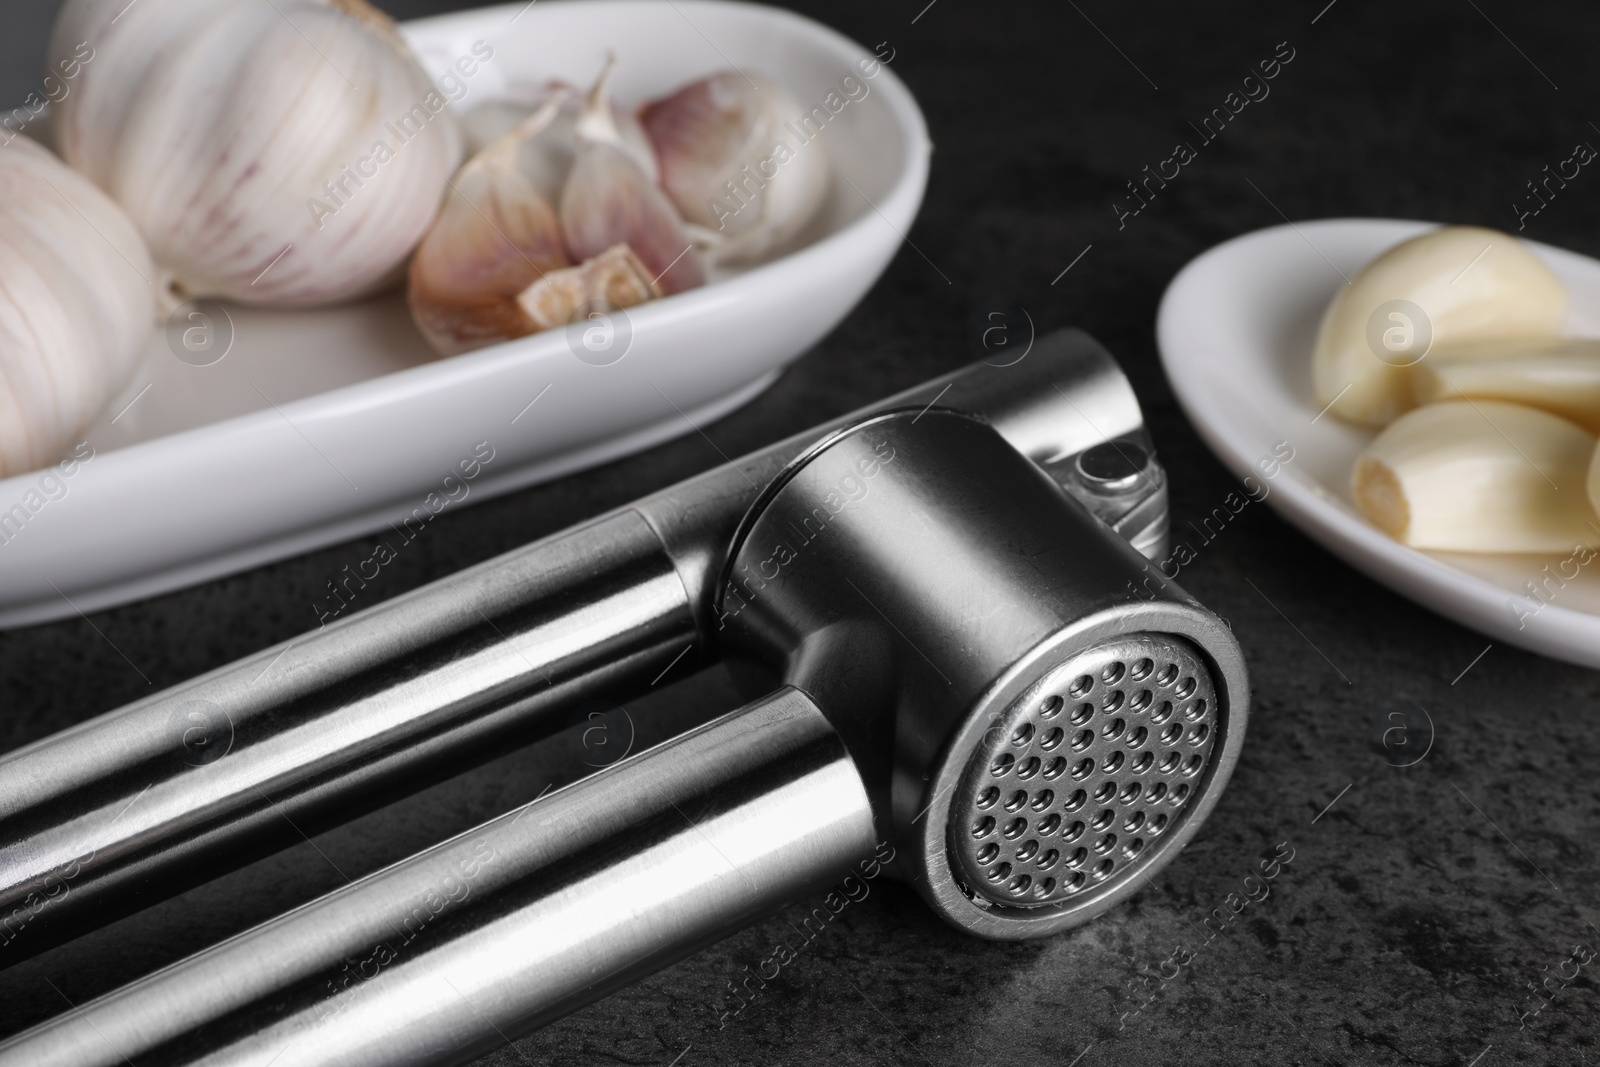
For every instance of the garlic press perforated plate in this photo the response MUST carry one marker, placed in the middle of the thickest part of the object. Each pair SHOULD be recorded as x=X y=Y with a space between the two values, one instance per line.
x=320 y=426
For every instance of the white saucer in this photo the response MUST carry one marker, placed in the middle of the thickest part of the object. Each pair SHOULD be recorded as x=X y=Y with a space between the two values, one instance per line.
x=1235 y=331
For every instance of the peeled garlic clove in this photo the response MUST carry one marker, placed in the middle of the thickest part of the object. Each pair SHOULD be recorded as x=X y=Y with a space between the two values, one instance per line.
x=609 y=200
x=1592 y=483
x=279 y=152
x=1479 y=476
x=497 y=235
x=552 y=154
x=1452 y=286
x=1561 y=377
x=614 y=279
x=77 y=304
x=727 y=162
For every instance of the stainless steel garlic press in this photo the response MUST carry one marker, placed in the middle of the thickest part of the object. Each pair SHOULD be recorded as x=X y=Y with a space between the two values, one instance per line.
x=938 y=604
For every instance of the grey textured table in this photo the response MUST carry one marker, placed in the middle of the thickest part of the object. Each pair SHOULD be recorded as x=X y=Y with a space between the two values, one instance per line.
x=1420 y=902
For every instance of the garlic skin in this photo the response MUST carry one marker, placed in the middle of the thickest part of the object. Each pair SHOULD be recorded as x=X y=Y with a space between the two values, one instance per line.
x=497 y=235
x=726 y=163
x=1469 y=284
x=1561 y=377
x=608 y=199
x=284 y=153
x=1479 y=476
x=77 y=305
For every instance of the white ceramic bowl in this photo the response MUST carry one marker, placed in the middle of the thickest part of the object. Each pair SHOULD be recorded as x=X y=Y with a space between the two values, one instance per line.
x=318 y=427
x=1235 y=331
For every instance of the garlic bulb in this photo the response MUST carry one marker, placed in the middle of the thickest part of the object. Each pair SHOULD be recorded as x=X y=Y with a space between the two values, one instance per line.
x=497 y=235
x=1454 y=285
x=1561 y=377
x=77 y=304
x=279 y=152
x=610 y=199
x=1479 y=476
x=726 y=163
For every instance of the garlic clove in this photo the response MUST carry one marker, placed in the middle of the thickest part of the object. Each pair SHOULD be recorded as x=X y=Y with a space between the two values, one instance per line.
x=497 y=235
x=612 y=280
x=727 y=162
x=1561 y=377
x=1479 y=476
x=1592 y=482
x=550 y=157
x=77 y=305
x=1452 y=286
x=280 y=152
x=608 y=199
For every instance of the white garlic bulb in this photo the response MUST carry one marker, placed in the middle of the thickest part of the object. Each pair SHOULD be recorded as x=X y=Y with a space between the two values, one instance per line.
x=1479 y=476
x=77 y=304
x=1455 y=285
x=727 y=163
x=279 y=152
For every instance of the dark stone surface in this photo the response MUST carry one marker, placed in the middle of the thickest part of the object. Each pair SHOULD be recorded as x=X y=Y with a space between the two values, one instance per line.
x=1416 y=909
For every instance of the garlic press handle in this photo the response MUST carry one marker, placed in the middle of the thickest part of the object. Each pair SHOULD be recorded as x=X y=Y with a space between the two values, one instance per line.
x=452 y=952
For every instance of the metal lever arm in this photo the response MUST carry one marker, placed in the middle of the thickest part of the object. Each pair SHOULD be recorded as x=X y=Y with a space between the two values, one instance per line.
x=441 y=957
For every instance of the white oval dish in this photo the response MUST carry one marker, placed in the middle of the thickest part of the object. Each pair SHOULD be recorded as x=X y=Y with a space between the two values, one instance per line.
x=1235 y=330
x=320 y=426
